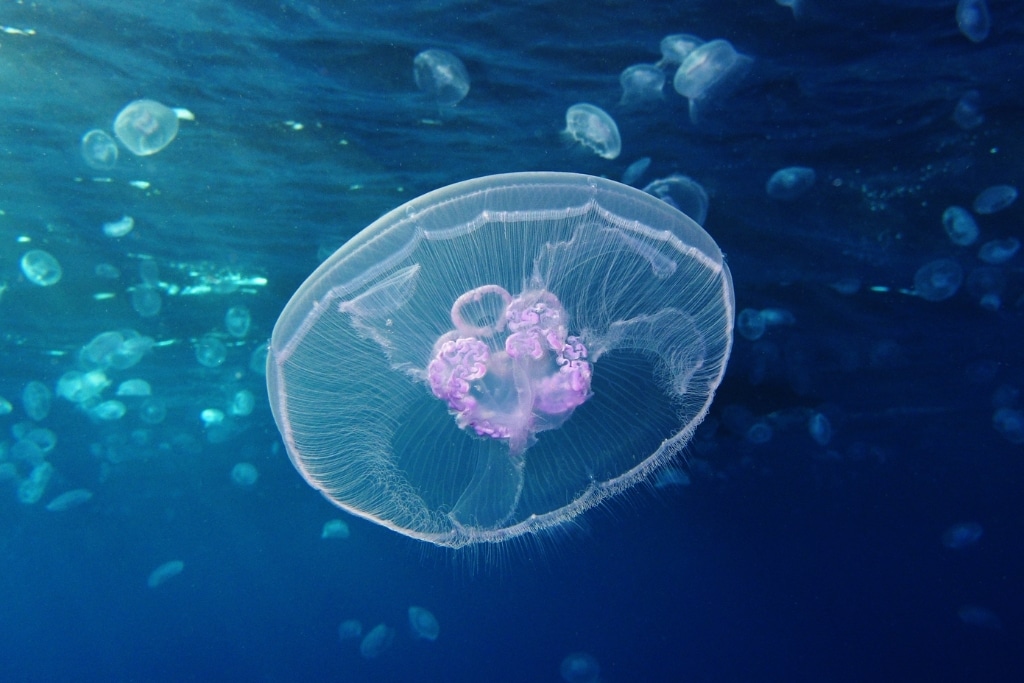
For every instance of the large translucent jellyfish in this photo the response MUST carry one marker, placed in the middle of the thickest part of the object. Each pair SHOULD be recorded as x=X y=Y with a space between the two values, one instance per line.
x=500 y=355
x=593 y=128
x=145 y=127
x=441 y=75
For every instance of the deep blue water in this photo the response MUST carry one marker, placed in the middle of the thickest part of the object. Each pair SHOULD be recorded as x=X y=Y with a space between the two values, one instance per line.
x=782 y=561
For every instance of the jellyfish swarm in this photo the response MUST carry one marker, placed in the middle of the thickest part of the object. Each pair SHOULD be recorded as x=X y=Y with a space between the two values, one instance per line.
x=500 y=355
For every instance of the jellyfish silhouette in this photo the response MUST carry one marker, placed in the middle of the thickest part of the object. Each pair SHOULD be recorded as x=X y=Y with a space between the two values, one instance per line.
x=498 y=356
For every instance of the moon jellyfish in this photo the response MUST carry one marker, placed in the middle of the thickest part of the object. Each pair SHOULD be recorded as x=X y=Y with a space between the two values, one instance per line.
x=1010 y=424
x=641 y=83
x=145 y=127
x=377 y=641
x=962 y=535
x=995 y=198
x=166 y=571
x=973 y=19
x=99 y=150
x=237 y=321
x=683 y=193
x=350 y=629
x=820 y=429
x=152 y=411
x=441 y=75
x=108 y=411
x=593 y=128
x=69 y=499
x=580 y=667
x=788 y=184
x=210 y=351
x=134 y=387
x=751 y=324
x=146 y=301
x=457 y=372
x=938 y=280
x=960 y=226
x=967 y=113
x=34 y=486
x=244 y=475
x=40 y=268
x=635 y=171
x=999 y=251
x=423 y=623
x=677 y=47
x=36 y=398
x=335 y=528
x=710 y=70
x=242 y=403
x=120 y=227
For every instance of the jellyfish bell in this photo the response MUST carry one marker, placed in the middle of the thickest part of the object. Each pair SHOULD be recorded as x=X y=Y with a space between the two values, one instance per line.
x=460 y=371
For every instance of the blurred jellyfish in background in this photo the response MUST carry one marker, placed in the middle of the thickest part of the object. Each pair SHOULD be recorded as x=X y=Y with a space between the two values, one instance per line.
x=441 y=75
x=967 y=114
x=711 y=71
x=960 y=226
x=423 y=623
x=962 y=535
x=973 y=19
x=635 y=171
x=580 y=667
x=683 y=193
x=41 y=268
x=994 y=199
x=377 y=641
x=593 y=128
x=641 y=84
x=790 y=183
x=145 y=127
x=99 y=150
x=676 y=48
x=938 y=280
x=997 y=252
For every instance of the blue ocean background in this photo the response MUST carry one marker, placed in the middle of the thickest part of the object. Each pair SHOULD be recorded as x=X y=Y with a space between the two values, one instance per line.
x=788 y=560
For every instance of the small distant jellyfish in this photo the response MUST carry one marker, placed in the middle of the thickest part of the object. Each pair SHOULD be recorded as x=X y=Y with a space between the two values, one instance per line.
x=423 y=623
x=149 y=272
x=120 y=227
x=350 y=629
x=796 y=6
x=69 y=499
x=108 y=411
x=210 y=351
x=211 y=417
x=986 y=284
x=980 y=617
x=635 y=171
x=165 y=572
x=967 y=113
x=441 y=75
x=994 y=199
x=580 y=667
x=146 y=301
x=134 y=387
x=243 y=403
x=710 y=70
x=960 y=226
x=377 y=641
x=152 y=411
x=641 y=84
x=820 y=429
x=36 y=398
x=973 y=19
x=34 y=486
x=5 y=406
x=335 y=528
x=1010 y=424
x=750 y=324
x=682 y=192
x=99 y=150
x=938 y=280
x=677 y=47
x=962 y=535
x=237 y=321
x=759 y=433
x=788 y=184
x=145 y=127
x=41 y=268
x=244 y=475
x=997 y=252
x=593 y=128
